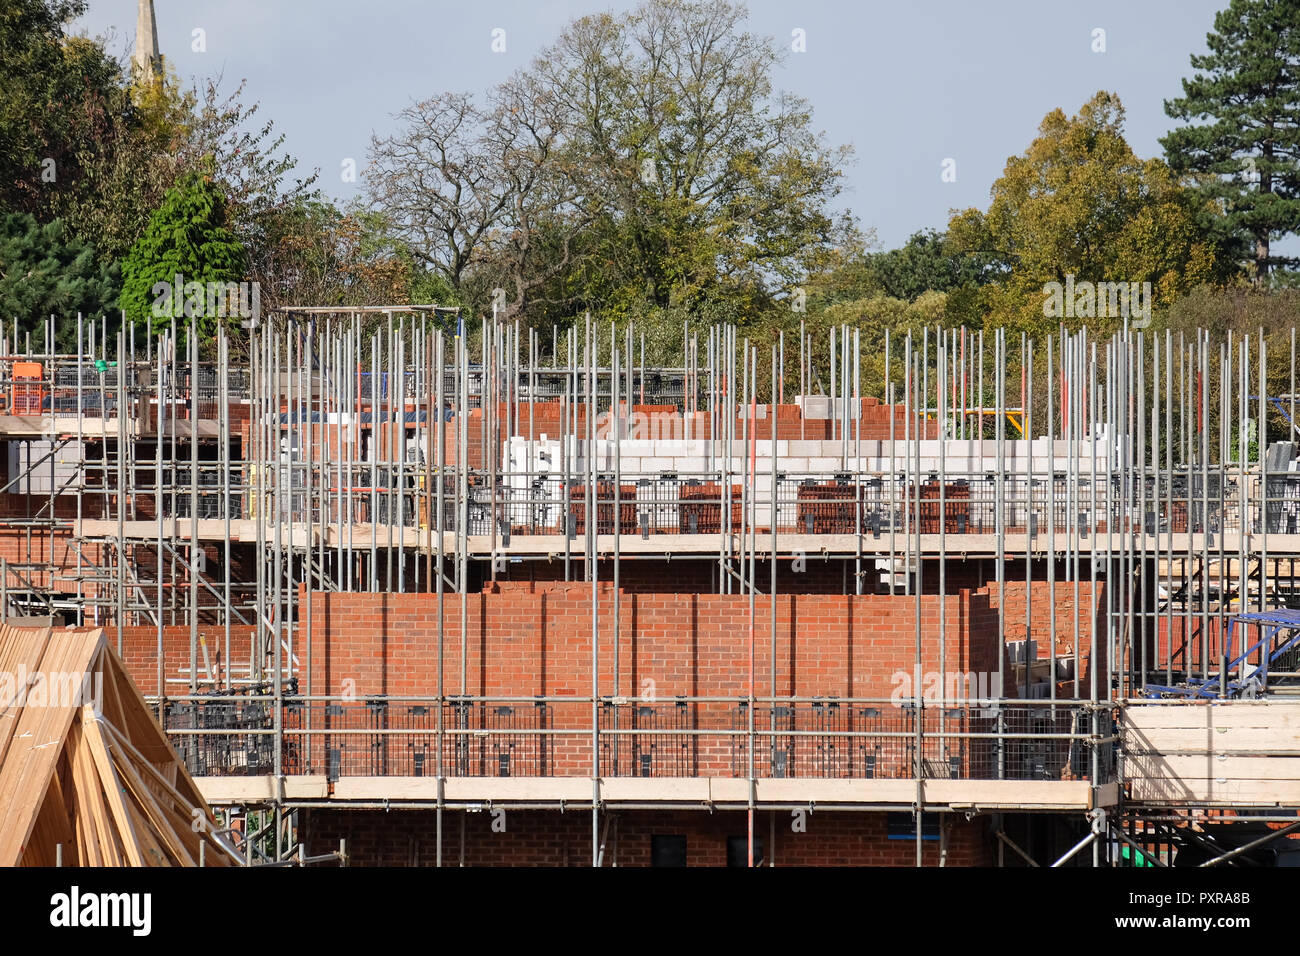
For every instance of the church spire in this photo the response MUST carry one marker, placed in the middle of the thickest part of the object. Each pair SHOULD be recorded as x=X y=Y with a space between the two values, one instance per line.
x=147 y=60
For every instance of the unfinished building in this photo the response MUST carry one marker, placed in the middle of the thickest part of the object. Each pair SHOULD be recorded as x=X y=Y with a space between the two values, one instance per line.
x=517 y=601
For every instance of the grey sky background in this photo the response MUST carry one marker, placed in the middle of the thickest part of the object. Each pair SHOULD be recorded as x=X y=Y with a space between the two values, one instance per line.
x=907 y=84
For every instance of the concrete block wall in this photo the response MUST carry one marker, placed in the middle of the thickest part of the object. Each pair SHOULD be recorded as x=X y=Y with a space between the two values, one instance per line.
x=650 y=457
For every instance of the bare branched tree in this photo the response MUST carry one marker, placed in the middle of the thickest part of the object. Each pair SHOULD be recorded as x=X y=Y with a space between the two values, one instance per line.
x=641 y=159
x=542 y=175
x=435 y=184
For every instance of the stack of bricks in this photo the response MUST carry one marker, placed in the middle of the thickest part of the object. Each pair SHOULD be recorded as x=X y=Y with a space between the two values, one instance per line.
x=604 y=512
x=700 y=508
x=955 y=513
x=827 y=508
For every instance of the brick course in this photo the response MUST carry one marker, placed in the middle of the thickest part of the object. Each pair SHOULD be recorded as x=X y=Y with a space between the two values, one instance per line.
x=551 y=838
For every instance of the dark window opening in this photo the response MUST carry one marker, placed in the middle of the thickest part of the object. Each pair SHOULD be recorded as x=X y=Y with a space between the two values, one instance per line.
x=738 y=851
x=668 y=850
x=902 y=826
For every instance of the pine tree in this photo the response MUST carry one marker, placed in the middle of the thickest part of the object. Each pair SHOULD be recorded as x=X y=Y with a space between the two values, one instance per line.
x=1247 y=156
x=188 y=237
x=46 y=271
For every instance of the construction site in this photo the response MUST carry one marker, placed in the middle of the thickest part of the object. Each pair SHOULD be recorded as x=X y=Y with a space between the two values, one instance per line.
x=407 y=589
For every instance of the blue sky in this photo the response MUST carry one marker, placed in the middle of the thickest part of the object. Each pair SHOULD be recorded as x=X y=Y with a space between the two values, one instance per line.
x=907 y=84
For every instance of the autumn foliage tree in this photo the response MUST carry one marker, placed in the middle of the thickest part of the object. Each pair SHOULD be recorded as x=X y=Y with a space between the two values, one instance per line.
x=1079 y=204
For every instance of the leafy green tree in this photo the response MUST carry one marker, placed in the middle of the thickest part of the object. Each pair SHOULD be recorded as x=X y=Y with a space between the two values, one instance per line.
x=130 y=165
x=1078 y=203
x=46 y=271
x=642 y=162
x=58 y=97
x=188 y=236
x=242 y=151
x=929 y=262
x=700 y=180
x=1245 y=152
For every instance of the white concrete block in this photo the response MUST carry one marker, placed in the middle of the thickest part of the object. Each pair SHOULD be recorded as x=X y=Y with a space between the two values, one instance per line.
x=814 y=406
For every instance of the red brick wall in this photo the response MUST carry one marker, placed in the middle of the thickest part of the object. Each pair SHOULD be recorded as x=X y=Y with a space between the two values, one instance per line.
x=1193 y=641
x=140 y=653
x=524 y=642
x=533 y=636
x=648 y=575
x=549 y=838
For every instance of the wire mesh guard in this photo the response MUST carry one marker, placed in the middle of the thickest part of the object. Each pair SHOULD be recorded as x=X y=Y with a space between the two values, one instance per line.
x=830 y=739
x=648 y=739
x=399 y=738
x=237 y=738
x=824 y=738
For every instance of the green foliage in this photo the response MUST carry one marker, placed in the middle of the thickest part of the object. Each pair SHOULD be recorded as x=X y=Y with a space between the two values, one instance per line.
x=643 y=167
x=1079 y=203
x=243 y=152
x=45 y=271
x=312 y=253
x=1242 y=310
x=83 y=143
x=189 y=236
x=642 y=163
x=59 y=97
x=1245 y=152
x=871 y=317
x=929 y=262
x=705 y=187
x=129 y=167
